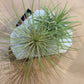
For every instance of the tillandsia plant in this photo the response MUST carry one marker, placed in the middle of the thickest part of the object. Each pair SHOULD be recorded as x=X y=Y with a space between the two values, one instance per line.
x=38 y=40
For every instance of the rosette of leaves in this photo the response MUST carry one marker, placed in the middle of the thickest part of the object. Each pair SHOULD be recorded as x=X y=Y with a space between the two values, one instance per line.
x=40 y=36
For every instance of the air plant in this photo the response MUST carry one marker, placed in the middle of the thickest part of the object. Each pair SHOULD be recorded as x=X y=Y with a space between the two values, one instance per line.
x=39 y=39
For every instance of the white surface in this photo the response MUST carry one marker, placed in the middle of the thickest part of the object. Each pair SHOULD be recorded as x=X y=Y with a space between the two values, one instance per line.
x=15 y=34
